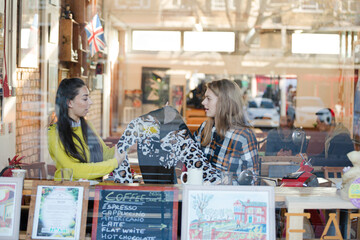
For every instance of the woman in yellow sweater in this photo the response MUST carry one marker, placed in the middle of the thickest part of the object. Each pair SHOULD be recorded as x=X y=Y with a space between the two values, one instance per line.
x=72 y=141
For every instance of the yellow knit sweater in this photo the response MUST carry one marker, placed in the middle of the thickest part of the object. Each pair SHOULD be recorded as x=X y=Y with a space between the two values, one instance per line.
x=80 y=170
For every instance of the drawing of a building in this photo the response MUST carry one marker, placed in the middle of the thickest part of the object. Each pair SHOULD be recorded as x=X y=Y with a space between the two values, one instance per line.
x=250 y=212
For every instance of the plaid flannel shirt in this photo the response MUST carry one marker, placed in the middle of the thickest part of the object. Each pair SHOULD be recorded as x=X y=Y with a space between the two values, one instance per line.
x=236 y=152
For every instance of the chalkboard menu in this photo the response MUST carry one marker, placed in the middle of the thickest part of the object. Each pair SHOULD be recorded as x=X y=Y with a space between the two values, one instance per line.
x=129 y=212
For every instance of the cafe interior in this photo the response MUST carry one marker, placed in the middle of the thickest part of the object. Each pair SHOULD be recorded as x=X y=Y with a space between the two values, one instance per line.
x=290 y=60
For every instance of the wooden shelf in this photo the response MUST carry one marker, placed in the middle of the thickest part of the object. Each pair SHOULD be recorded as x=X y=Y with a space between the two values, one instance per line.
x=84 y=50
x=69 y=40
x=74 y=54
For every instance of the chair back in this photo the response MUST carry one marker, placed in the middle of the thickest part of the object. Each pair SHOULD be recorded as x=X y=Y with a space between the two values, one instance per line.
x=51 y=169
x=333 y=172
x=35 y=170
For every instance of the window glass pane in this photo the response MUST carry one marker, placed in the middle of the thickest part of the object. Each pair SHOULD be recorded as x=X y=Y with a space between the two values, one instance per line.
x=156 y=40
x=252 y=104
x=209 y=41
x=266 y=104
x=315 y=43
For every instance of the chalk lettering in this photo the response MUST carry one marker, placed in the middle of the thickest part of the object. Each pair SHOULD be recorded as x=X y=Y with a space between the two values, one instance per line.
x=112 y=224
x=133 y=197
x=155 y=194
x=125 y=197
x=109 y=236
x=130 y=219
x=126 y=215
x=110 y=230
x=124 y=237
x=133 y=230
x=119 y=207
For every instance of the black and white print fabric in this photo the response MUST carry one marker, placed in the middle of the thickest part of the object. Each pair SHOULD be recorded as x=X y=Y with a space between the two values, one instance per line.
x=164 y=145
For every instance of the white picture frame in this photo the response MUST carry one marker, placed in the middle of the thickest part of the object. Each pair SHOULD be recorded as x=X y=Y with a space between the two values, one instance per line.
x=232 y=212
x=10 y=207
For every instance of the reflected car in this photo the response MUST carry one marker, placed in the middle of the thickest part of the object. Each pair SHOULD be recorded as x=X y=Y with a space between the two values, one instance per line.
x=263 y=113
x=305 y=109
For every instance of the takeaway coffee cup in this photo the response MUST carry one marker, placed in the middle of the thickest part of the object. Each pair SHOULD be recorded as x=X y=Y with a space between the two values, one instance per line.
x=194 y=176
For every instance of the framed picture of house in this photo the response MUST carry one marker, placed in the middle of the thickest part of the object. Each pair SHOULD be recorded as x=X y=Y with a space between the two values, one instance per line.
x=10 y=206
x=245 y=212
x=58 y=210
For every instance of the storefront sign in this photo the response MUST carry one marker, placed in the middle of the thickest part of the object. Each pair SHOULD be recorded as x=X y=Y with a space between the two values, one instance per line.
x=135 y=212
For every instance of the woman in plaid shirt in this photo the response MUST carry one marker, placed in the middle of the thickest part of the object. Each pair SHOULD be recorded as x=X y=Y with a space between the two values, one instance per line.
x=225 y=137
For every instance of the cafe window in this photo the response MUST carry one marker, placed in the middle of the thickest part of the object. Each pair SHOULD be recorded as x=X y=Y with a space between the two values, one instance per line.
x=156 y=40
x=209 y=41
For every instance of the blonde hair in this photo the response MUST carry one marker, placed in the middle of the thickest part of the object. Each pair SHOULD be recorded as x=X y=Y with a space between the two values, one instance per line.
x=229 y=109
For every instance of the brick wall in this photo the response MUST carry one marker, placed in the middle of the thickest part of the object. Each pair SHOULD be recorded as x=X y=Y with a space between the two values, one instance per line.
x=94 y=115
x=28 y=112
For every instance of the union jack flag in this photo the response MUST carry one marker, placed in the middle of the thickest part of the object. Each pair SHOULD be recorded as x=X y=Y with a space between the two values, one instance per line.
x=95 y=35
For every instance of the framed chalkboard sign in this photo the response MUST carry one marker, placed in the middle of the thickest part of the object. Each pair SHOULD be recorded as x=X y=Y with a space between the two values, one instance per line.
x=58 y=210
x=228 y=212
x=133 y=212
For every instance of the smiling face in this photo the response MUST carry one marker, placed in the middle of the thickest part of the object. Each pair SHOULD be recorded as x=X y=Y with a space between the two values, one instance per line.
x=80 y=105
x=209 y=103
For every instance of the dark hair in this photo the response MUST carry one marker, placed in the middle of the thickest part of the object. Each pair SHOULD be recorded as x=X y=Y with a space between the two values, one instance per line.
x=68 y=90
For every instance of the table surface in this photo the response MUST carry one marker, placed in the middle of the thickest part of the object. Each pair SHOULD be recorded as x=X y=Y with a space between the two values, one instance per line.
x=280 y=192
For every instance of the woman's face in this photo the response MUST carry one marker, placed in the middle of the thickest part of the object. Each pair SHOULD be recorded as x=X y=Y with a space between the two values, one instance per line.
x=80 y=105
x=210 y=103
x=322 y=126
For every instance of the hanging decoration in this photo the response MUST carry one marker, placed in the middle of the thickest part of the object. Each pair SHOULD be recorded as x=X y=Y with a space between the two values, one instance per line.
x=95 y=35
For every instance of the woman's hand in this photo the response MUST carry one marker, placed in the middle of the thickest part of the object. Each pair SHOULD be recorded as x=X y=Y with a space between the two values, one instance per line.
x=132 y=149
x=119 y=157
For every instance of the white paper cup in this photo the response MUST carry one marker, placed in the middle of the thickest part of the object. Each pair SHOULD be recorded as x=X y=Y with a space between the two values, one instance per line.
x=20 y=173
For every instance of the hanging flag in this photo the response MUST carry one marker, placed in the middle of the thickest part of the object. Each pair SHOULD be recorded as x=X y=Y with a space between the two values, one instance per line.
x=95 y=35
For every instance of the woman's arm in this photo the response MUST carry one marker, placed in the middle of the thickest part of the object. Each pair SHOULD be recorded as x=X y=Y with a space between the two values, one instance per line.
x=108 y=152
x=244 y=148
x=80 y=170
